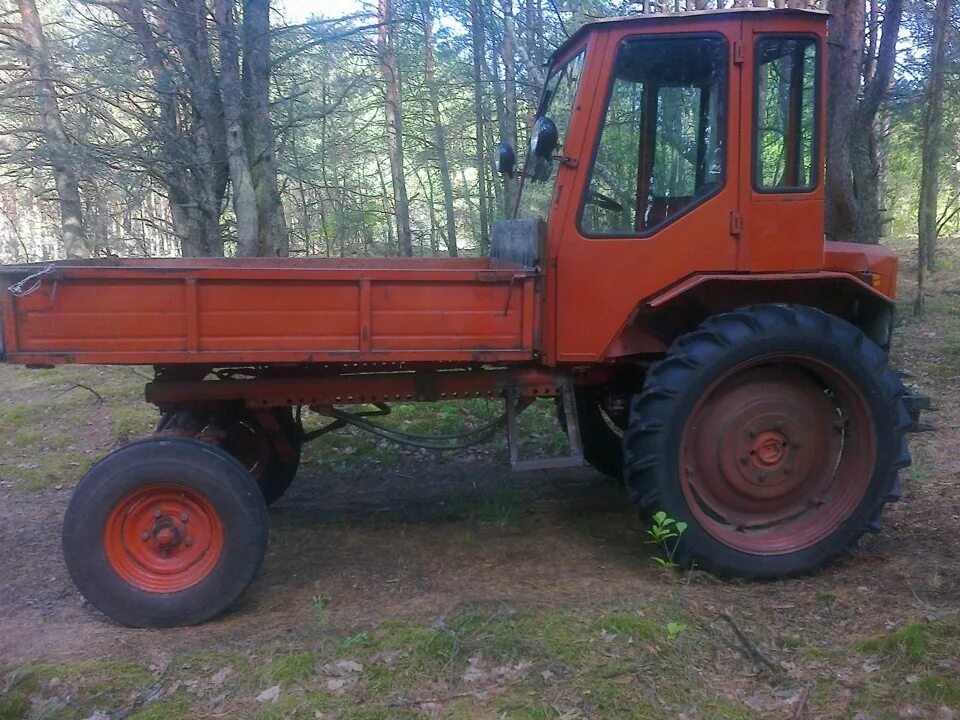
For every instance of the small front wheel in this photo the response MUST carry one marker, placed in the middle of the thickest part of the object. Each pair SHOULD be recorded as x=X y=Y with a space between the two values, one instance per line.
x=164 y=532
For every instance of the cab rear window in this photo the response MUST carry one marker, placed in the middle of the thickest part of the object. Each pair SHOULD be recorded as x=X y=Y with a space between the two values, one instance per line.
x=786 y=94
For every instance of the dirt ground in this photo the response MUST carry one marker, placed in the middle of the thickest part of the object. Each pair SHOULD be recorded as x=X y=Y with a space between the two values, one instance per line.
x=369 y=558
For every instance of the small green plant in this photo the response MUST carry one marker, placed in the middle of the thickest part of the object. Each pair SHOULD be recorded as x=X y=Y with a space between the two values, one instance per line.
x=355 y=641
x=665 y=533
x=674 y=629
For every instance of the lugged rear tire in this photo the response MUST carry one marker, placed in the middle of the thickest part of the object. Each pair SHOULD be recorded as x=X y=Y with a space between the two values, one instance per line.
x=776 y=433
x=164 y=532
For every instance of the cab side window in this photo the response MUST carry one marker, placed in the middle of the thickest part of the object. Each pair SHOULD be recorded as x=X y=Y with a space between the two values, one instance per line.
x=785 y=128
x=661 y=149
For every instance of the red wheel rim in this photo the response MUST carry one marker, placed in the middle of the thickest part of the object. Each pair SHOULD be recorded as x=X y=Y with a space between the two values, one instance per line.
x=250 y=445
x=775 y=457
x=163 y=538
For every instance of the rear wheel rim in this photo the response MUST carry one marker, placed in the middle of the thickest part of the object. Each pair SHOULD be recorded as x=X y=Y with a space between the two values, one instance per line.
x=777 y=454
x=163 y=538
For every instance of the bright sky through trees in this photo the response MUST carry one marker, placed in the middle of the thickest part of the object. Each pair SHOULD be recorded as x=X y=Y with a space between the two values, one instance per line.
x=299 y=10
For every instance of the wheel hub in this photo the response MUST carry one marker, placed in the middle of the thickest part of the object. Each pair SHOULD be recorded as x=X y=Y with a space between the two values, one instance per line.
x=163 y=538
x=166 y=537
x=765 y=451
x=769 y=449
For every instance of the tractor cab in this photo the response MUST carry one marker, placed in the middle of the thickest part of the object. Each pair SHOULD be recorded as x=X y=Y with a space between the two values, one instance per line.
x=659 y=113
x=673 y=144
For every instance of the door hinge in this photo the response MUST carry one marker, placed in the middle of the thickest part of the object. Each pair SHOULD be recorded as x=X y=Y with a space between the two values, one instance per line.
x=738 y=52
x=736 y=223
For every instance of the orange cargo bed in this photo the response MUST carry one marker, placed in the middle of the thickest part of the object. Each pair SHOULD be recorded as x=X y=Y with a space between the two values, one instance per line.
x=224 y=311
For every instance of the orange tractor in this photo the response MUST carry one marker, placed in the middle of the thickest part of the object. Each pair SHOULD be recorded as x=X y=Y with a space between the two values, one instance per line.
x=664 y=276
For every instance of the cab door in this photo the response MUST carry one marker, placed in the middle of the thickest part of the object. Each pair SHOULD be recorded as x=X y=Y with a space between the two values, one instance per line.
x=656 y=196
x=784 y=147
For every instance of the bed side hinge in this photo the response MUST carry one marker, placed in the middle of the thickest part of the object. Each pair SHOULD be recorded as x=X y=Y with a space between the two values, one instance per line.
x=738 y=52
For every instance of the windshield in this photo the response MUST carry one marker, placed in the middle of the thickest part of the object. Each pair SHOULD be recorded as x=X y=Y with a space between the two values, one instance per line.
x=557 y=104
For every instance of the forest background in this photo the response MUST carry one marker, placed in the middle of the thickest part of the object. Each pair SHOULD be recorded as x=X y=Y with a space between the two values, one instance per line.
x=245 y=127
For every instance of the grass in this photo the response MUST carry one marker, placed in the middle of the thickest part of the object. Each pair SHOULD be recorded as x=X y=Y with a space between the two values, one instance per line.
x=398 y=660
x=604 y=662
x=501 y=507
x=52 y=428
x=910 y=642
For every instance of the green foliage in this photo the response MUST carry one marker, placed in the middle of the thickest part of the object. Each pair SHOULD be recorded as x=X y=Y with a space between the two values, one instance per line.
x=665 y=533
x=354 y=641
x=502 y=507
x=290 y=668
x=910 y=642
x=674 y=629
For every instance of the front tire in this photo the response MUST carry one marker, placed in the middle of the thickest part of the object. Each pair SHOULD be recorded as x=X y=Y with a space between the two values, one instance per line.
x=164 y=532
x=776 y=433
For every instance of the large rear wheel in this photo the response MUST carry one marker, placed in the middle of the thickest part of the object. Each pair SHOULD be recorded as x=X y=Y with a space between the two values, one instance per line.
x=164 y=532
x=776 y=432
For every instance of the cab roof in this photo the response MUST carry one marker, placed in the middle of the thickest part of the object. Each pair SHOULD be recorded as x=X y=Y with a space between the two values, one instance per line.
x=645 y=19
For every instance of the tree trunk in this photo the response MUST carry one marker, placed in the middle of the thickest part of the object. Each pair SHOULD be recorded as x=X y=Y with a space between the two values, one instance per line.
x=231 y=92
x=58 y=143
x=439 y=140
x=510 y=94
x=929 y=174
x=187 y=24
x=386 y=47
x=852 y=207
x=479 y=52
x=258 y=128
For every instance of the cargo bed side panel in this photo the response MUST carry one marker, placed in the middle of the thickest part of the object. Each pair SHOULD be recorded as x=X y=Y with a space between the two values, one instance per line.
x=221 y=315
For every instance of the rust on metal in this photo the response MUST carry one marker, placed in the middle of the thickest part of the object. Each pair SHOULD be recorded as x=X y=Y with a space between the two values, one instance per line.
x=777 y=454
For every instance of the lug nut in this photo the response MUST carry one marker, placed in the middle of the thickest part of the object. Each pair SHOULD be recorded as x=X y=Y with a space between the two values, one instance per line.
x=744 y=459
x=144 y=535
x=188 y=542
x=157 y=513
x=184 y=517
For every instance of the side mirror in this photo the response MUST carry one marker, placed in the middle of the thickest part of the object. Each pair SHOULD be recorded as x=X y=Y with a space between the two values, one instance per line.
x=544 y=139
x=506 y=159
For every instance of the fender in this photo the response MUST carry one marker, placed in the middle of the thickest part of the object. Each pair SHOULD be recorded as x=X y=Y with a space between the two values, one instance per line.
x=679 y=309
